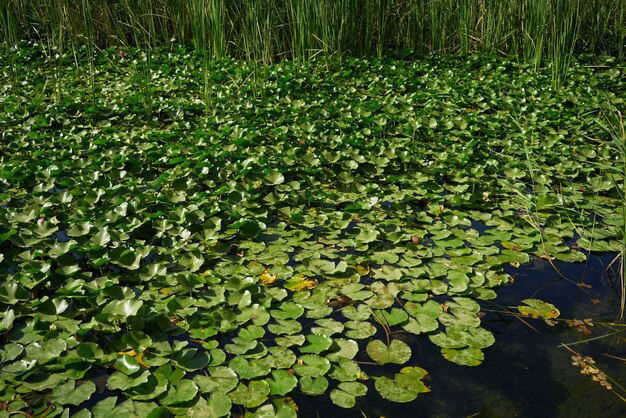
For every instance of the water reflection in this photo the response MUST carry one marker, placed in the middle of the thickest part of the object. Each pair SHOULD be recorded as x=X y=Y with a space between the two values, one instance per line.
x=525 y=373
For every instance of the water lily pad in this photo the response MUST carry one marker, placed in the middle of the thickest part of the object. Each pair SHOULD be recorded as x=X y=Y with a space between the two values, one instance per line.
x=73 y=393
x=536 y=308
x=316 y=344
x=249 y=369
x=251 y=395
x=220 y=379
x=346 y=371
x=282 y=382
x=394 y=316
x=405 y=387
x=123 y=381
x=191 y=359
x=181 y=392
x=346 y=393
x=348 y=349
x=359 y=330
x=218 y=404
x=420 y=323
x=357 y=313
x=464 y=356
x=313 y=386
x=327 y=326
x=279 y=358
x=397 y=352
x=312 y=365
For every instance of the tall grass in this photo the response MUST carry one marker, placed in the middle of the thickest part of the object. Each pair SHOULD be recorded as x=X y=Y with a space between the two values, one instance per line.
x=563 y=33
x=10 y=40
x=267 y=30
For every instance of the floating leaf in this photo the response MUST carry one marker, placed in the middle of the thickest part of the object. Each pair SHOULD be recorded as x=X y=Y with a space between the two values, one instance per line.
x=297 y=284
x=316 y=344
x=274 y=178
x=536 y=308
x=464 y=356
x=190 y=359
x=346 y=393
x=184 y=391
x=312 y=365
x=73 y=393
x=398 y=352
x=393 y=317
x=251 y=395
x=313 y=386
x=267 y=279
x=405 y=387
x=282 y=382
x=220 y=379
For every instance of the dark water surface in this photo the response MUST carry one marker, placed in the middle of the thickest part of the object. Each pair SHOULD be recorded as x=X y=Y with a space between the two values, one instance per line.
x=525 y=373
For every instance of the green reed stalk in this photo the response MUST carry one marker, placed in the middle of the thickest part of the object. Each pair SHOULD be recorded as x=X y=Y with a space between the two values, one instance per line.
x=56 y=33
x=88 y=22
x=9 y=31
x=563 y=34
x=417 y=25
x=533 y=30
x=298 y=30
x=465 y=26
x=495 y=27
x=620 y=24
x=262 y=30
x=442 y=29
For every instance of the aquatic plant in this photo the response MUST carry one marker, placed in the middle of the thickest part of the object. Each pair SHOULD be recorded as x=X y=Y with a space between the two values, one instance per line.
x=159 y=261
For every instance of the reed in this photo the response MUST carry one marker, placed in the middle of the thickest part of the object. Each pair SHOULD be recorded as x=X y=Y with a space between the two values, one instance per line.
x=10 y=40
x=564 y=25
x=267 y=30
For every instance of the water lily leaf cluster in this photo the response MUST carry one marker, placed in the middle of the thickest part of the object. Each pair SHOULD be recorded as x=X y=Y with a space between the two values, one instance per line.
x=217 y=253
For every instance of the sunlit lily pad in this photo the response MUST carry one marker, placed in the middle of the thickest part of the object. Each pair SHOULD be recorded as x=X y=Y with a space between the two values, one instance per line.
x=346 y=393
x=405 y=387
x=312 y=365
x=397 y=352
x=464 y=356
x=538 y=309
x=251 y=395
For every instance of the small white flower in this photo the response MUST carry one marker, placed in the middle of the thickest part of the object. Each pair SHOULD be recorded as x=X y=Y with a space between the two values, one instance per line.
x=185 y=234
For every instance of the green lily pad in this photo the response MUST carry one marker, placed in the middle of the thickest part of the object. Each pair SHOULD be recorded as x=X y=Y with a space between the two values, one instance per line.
x=346 y=394
x=536 y=308
x=348 y=349
x=398 y=352
x=249 y=369
x=282 y=382
x=464 y=356
x=73 y=393
x=420 y=324
x=312 y=365
x=183 y=391
x=313 y=386
x=316 y=344
x=405 y=387
x=394 y=316
x=346 y=371
x=359 y=330
x=220 y=378
x=191 y=359
x=251 y=395
x=274 y=178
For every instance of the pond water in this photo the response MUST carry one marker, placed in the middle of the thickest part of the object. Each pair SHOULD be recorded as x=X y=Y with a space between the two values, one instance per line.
x=525 y=373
